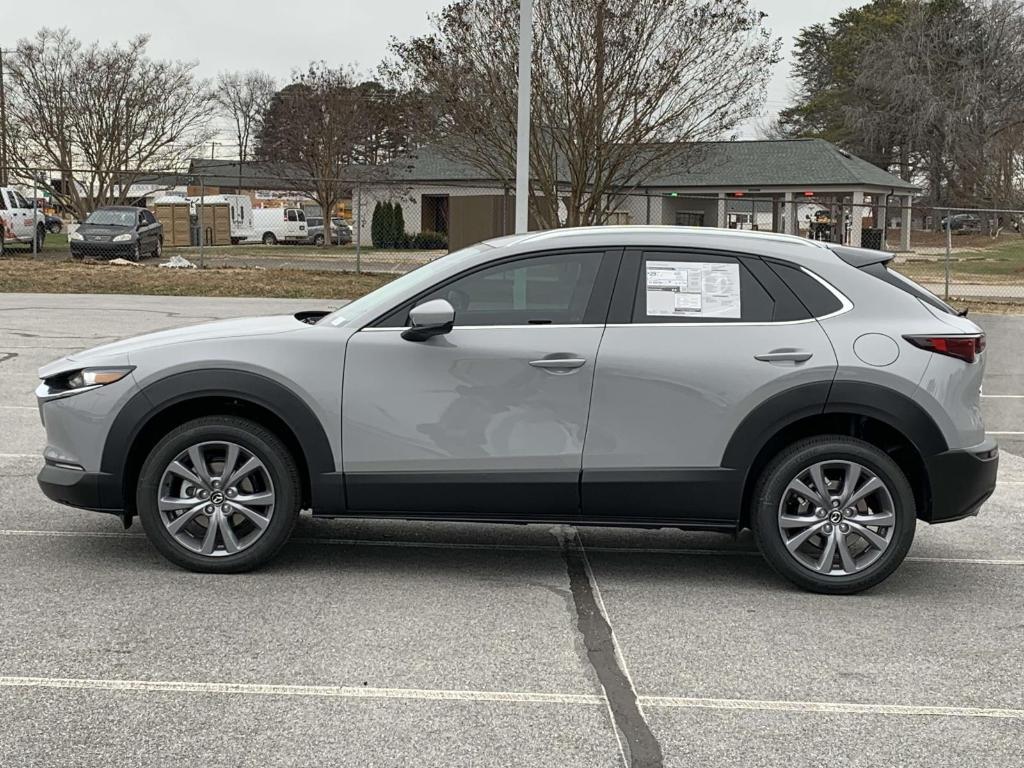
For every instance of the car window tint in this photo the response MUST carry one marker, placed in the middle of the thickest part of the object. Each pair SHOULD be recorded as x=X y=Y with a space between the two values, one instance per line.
x=818 y=299
x=290 y=215
x=539 y=290
x=698 y=288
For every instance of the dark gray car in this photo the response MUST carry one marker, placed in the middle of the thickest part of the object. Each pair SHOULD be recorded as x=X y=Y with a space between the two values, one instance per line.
x=118 y=231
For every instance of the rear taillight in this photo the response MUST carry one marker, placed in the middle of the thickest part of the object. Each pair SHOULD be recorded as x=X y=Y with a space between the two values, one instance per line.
x=966 y=348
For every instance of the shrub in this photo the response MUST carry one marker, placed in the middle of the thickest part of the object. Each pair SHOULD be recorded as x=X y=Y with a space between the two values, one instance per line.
x=377 y=225
x=429 y=241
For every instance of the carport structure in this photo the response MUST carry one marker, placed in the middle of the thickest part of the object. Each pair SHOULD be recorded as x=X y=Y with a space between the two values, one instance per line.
x=771 y=185
x=767 y=185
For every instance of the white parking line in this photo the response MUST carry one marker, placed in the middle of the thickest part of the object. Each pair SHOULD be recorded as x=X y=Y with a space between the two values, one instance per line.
x=906 y=710
x=1003 y=397
x=471 y=546
x=1004 y=433
x=527 y=697
x=315 y=691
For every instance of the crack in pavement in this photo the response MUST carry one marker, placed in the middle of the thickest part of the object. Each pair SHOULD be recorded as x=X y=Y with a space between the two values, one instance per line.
x=4 y=356
x=639 y=746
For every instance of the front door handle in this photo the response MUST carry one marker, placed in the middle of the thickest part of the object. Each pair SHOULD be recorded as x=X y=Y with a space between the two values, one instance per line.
x=559 y=363
x=785 y=356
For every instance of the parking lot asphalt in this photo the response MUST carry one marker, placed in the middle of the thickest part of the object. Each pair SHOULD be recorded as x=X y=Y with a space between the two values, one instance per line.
x=371 y=643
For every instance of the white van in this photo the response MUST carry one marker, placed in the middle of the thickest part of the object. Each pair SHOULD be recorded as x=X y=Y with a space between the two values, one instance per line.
x=19 y=222
x=279 y=225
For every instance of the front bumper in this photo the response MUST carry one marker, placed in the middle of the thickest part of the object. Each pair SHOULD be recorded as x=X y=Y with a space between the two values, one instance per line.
x=100 y=249
x=961 y=481
x=97 y=491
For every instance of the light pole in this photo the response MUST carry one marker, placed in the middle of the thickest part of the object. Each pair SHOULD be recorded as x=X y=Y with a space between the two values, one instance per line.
x=523 y=116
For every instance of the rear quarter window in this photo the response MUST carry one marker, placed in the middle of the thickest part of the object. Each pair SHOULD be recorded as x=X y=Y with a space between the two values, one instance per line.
x=818 y=299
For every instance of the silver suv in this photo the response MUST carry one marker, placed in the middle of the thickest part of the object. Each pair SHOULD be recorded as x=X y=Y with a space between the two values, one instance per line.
x=635 y=376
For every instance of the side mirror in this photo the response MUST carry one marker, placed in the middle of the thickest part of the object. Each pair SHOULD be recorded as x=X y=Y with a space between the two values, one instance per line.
x=433 y=318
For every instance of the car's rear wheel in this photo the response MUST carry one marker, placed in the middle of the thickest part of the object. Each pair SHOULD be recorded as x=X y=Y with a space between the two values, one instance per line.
x=269 y=239
x=318 y=240
x=834 y=514
x=219 y=494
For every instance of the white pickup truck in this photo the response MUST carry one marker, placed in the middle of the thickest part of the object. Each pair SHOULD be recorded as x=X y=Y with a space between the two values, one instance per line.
x=19 y=222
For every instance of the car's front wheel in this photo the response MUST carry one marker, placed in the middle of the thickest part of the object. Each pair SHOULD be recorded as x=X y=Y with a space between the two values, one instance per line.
x=833 y=514
x=219 y=494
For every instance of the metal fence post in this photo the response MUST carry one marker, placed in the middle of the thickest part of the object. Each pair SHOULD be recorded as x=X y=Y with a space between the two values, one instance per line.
x=359 y=226
x=949 y=247
x=202 y=204
x=35 y=216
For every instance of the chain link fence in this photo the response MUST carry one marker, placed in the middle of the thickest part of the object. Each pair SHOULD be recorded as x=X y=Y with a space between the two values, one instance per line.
x=261 y=215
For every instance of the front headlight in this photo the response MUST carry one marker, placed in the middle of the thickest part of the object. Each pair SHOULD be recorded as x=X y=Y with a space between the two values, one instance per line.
x=76 y=235
x=73 y=382
x=123 y=238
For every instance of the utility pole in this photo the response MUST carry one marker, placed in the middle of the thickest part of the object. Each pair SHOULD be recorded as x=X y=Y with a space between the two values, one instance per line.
x=523 y=116
x=3 y=124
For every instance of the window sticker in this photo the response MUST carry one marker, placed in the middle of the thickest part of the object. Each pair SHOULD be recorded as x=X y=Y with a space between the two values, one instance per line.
x=693 y=289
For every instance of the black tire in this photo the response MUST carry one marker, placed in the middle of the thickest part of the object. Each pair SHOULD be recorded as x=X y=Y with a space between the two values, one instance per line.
x=269 y=238
x=136 y=252
x=318 y=241
x=768 y=497
x=158 y=249
x=54 y=227
x=262 y=444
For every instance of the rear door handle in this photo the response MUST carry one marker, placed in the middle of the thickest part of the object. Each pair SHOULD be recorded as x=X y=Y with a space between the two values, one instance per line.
x=785 y=356
x=559 y=363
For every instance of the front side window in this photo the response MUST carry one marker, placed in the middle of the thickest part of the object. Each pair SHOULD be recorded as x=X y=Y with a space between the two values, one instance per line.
x=541 y=290
x=292 y=216
x=685 y=288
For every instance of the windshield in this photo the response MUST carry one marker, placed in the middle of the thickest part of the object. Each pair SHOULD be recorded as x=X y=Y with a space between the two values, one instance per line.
x=381 y=299
x=112 y=218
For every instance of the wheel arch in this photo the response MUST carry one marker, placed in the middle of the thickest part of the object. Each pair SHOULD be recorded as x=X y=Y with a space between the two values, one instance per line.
x=883 y=417
x=154 y=410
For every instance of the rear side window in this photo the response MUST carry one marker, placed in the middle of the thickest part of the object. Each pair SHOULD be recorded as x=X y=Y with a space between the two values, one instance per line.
x=693 y=288
x=818 y=299
x=908 y=286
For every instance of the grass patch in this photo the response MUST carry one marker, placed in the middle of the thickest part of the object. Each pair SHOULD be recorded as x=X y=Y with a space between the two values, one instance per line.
x=50 y=276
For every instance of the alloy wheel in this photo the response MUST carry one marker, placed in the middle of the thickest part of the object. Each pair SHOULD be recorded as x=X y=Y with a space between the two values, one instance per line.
x=216 y=498
x=836 y=518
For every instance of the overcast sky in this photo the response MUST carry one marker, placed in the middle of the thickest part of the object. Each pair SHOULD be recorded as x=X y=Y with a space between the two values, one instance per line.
x=278 y=36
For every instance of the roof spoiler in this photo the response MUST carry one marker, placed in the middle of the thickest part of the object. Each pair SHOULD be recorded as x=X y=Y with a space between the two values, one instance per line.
x=861 y=257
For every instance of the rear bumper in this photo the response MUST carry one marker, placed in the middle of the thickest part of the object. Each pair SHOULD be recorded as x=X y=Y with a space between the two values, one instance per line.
x=97 y=491
x=961 y=481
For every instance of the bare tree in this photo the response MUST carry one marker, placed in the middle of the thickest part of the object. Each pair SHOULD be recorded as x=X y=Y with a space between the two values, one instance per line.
x=101 y=118
x=313 y=128
x=243 y=99
x=621 y=88
x=947 y=87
